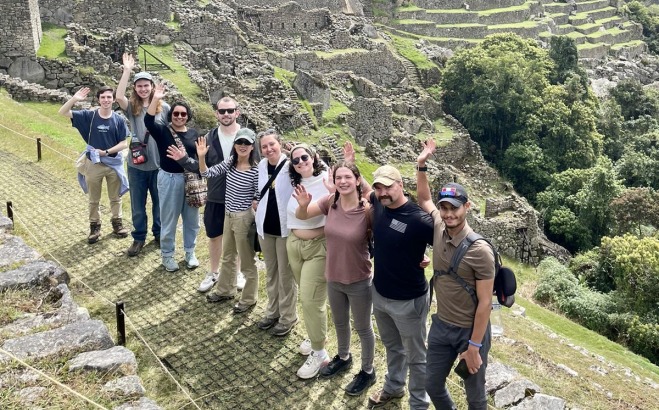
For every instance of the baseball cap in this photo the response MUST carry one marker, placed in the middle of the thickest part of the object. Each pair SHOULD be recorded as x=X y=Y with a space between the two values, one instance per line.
x=245 y=134
x=142 y=75
x=386 y=175
x=453 y=193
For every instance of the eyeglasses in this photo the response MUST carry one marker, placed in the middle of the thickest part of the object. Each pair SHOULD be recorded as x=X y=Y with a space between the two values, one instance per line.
x=223 y=111
x=297 y=160
x=181 y=114
x=242 y=141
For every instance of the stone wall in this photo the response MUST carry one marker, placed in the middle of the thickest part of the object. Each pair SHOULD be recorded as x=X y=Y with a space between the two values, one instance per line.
x=20 y=28
x=203 y=29
x=370 y=120
x=379 y=66
x=334 y=5
x=108 y=14
x=21 y=90
x=289 y=19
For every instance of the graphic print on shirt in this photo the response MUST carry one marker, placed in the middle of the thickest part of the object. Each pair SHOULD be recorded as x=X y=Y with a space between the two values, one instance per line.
x=398 y=226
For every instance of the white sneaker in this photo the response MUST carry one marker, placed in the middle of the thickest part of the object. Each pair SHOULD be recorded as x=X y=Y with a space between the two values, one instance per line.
x=240 y=281
x=312 y=366
x=191 y=260
x=169 y=263
x=208 y=282
x=305 y=347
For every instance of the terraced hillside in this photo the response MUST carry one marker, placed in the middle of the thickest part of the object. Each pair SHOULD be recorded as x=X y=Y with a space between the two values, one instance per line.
x=597 y=26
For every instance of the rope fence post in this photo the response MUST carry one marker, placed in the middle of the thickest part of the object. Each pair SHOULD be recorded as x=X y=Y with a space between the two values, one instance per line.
x=121 y=324
x=10 y=211
x=38 y=149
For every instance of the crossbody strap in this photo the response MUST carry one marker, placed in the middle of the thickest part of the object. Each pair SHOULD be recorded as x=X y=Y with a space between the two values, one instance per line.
x=272 y=178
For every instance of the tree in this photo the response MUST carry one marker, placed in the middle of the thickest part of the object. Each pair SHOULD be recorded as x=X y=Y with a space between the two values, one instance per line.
x=634 y=102
x=563 y=51
x=526 y=165
x=634 y=208
x=639 y=164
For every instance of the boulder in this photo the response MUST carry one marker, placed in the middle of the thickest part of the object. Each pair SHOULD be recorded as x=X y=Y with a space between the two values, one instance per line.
x=14 y=250
x=498 y=375
x=116 y=359
x=515 y=392
x=141 y=404
x=27 y=69
x=35 y=273
x=540 y=402
x=128 y=386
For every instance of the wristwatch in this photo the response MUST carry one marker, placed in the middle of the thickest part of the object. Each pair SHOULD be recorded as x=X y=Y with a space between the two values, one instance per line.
x=421 y=169
x=107 y=152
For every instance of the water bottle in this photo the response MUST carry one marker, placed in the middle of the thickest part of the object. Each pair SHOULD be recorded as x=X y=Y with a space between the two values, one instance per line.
x=495 y=318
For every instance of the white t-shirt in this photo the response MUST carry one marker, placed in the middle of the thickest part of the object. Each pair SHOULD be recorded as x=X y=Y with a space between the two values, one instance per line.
x=317 y=189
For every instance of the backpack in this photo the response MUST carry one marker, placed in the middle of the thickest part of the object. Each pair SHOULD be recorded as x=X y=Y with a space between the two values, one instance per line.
x=505 y=283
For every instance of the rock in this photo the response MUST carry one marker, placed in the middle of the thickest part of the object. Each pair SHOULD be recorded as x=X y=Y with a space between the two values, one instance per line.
x=29 y=395
x=540 y=402
x=567 y=370
x=116 y=359
x=514 y=392
x=36 y=273
x=27 y=69
x=68 y=339
x=141 y=404
x=498 y=375
x=14 y=250
x=162 y=39
x=370 y=31
x=128 y=386
x=6 y=224
x=18 y=377
x=519 y=311
x=598 y=369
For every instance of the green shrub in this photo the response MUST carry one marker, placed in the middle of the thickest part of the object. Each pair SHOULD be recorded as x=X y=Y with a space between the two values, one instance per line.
x=589 y=308
x=643 y=338
x=556 y=282
x=586 y=266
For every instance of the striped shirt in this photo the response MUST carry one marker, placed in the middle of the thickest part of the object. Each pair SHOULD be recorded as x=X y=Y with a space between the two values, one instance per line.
x=241 y=185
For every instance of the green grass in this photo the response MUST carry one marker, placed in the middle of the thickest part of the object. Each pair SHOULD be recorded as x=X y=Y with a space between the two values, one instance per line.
x=484 y=13
x=339 y=53
x=336 y=109
x=406 y=47
x=285 y=76
x=52 y=42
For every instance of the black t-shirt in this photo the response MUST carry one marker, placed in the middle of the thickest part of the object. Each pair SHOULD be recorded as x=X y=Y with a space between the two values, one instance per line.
x=271 y=223
x=401 y=236
x=163 y=137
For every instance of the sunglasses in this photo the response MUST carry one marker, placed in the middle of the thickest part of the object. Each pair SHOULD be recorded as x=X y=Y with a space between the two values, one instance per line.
x=297 y=160
x=242 y=141
x=181 y=114
x=223 y=111
x=269 y=131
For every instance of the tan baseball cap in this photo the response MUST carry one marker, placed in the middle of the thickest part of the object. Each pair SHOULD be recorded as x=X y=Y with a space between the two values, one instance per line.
x=386 y=175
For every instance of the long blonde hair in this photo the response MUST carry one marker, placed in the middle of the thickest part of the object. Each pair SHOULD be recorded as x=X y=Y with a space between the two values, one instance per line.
x=136 y=102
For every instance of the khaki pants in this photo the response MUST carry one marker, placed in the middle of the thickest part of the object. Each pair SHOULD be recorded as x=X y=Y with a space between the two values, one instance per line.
x=94 y=178
x=307 y=260
x=280 y=285
x=235 y=243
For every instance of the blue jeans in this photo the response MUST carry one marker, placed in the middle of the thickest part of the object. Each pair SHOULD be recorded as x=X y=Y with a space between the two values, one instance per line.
x=171 y=192
x=402 y=326
x=143 y=183
x=445 y=342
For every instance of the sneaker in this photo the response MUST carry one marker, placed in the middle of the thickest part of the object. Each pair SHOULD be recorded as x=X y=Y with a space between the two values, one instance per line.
x=282 y=330
x=360 y=382
x=216 y=297
x=135 y=248
x=208 y=282
x=312 y=366
x=381 y=397
x=191 y=260
x=240 y=280
x=266 y=323
x=305 y=347
x=169 y=263
x=336 y=366
x=242 y=308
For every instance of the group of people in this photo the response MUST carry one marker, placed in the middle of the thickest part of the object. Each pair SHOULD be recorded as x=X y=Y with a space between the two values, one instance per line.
x=325 y=233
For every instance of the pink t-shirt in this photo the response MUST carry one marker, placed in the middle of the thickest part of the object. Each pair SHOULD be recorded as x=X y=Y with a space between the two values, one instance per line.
x=347 y=259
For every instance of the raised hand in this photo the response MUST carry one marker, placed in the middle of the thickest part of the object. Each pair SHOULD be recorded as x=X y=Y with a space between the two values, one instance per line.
x=159 y=91
x=81 y=94
x=129 y=62
x=329 y=183
x=302 y=197
x=348 y=152
x=202 y=148
x=429 y=147
x=175 y=153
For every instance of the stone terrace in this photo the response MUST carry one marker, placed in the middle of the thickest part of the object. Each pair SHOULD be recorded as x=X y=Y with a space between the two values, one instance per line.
x=596 y=26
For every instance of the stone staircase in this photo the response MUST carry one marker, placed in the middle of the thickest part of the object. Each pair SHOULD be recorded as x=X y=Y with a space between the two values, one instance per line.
x=595 y=25
x=303 y=114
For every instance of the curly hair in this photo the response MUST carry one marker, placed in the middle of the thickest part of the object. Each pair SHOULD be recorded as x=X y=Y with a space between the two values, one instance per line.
x=355 y=171
x=318 y=165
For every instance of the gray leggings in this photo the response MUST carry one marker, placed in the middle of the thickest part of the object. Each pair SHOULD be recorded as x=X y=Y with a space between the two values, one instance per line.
x=356 y=297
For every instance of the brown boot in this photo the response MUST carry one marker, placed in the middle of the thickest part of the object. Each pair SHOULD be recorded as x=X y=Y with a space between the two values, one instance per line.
x=118 y=228
x=94 y=232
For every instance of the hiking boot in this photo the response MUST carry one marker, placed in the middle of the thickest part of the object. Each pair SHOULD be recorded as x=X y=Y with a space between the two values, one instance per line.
x=381 y=397
x=191 y=260
x=305 y=347
x=118 y=228
x=216 y=297
x=94 y=232
x=208 y=282
x=360 y=382
x=135 y=248
x=336 y=366
x=240 y=281
x=242 y=308
x=282 y=330
x=266 y=323
x=312 y=365
x=169 y=263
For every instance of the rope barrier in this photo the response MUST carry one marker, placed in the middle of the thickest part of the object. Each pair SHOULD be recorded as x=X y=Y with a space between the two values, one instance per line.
x=54 y=381
x=34 y=139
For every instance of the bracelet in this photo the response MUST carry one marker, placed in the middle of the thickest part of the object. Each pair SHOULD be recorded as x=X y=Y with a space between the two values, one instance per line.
x=478 y=345
x=421 y=169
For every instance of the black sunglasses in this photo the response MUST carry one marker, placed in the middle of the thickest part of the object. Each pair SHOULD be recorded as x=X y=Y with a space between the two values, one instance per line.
x=223 y=111
x=242 y=141
x=297 y=160
x=181 y=114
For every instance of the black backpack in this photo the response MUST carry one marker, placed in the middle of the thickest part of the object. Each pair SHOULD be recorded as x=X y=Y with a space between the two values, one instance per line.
x=505 y=283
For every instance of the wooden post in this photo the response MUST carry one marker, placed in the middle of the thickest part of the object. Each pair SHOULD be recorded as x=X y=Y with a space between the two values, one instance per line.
x=121 y=324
